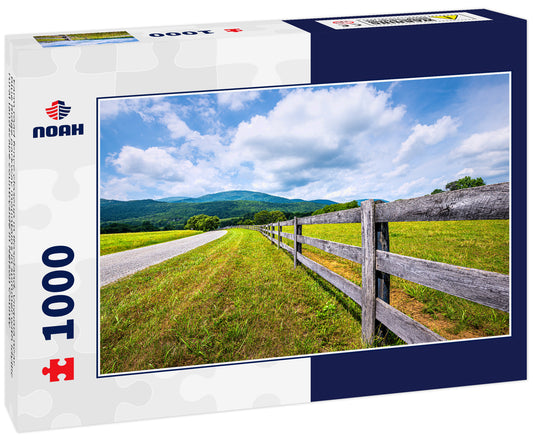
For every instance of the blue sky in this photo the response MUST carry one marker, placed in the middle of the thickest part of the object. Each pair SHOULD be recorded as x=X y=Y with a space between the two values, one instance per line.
x=385 y=140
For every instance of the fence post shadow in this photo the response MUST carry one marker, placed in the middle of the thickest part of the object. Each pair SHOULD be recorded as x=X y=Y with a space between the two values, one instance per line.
x=382 y=278
x=297 y=244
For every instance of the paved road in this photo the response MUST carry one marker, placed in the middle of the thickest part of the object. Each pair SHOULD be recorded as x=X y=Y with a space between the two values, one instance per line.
x=117 y=265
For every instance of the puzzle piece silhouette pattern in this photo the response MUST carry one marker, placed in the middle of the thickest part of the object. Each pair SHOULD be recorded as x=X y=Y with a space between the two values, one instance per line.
x=89 y=400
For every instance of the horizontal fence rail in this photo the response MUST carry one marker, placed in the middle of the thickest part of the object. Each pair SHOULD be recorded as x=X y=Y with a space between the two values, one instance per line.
x=486 y=288
x=378 y=264
x=477 y=203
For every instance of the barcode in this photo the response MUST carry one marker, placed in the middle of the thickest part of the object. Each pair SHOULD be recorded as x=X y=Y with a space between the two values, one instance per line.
x=398 y=21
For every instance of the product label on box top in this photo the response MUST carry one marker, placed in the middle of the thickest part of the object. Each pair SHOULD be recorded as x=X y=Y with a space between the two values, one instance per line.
x=401 y=20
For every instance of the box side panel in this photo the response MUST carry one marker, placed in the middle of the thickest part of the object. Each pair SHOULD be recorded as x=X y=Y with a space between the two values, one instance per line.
x=60 y=91
x=11 y=295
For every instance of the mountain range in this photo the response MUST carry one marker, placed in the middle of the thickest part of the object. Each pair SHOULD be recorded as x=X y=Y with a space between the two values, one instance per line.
x=242 y=195
x=173 y=212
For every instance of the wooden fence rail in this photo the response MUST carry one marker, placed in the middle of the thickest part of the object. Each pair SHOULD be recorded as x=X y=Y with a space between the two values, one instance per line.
x=378 y=264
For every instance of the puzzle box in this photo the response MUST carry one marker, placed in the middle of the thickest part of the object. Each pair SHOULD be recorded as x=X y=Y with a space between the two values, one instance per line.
x=225 y=216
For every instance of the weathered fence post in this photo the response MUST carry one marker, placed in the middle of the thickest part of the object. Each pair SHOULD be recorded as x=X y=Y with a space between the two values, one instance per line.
x=279 y=234
x=368 y=241
x=271 y=234
x=297 y=245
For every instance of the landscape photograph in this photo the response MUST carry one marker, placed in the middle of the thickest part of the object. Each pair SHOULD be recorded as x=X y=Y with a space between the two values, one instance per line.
x=90 y=38
x=266 y=223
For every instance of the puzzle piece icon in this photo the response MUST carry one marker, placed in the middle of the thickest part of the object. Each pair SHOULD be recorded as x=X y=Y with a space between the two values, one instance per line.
x=56 y=369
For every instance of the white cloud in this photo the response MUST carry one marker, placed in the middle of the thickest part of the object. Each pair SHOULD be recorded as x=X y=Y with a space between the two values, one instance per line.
x=335 y=142
x=201 y=178
x=311 y=130
x=153 y=109
x=486 y=153
x=482 y=143
x=486 y=171
x=407 y=188
x=154 y=162
x=423 y=136
x=162 y=171
x=177 y=127
x=308 y=135
x=147 y=109
x=110 y=109
x=237 y=100
x=464 y=172
x=119 y=188
x=398 y=171
x=438 y=180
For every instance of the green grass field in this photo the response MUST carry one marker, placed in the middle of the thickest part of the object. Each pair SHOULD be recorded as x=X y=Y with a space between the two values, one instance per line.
x=236 y=298
x=117 y=242
x=477 y=244
x=239 y=298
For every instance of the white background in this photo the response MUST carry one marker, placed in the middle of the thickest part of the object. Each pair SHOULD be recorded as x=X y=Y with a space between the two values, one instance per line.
x=488 y=414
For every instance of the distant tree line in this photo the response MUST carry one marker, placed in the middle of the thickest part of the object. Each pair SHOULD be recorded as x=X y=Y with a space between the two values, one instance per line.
x=200 y=222
x=129 y=216
x=265 y=217
x=270 y=217
x=336 y=207
x=144 y=226
x=463 y=183
x=206 y=223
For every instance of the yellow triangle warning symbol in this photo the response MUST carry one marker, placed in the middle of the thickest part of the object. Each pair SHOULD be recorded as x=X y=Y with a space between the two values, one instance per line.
x=447 y=17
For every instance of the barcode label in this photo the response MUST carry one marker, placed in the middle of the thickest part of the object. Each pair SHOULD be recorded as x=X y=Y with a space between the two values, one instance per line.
x=401 y=20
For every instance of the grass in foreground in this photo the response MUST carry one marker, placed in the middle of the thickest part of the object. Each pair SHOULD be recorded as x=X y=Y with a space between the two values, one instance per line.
x=117 y=242
x=236 y=298
x=476 y=244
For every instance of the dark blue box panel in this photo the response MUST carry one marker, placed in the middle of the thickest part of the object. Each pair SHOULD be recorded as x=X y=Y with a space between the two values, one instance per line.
x=398 y=52
x=415 y=51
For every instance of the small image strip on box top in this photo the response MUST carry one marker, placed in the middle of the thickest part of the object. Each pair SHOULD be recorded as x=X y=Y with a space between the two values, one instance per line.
x=91 y=38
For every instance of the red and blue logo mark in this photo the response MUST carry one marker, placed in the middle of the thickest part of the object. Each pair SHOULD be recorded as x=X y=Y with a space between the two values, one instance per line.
x=58 y=110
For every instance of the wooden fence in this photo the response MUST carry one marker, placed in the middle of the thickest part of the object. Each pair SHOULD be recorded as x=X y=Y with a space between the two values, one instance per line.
x=378 y=264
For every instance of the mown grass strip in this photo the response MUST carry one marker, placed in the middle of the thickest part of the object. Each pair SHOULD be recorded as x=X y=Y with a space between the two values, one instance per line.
x=237 y=298
x=118 y=242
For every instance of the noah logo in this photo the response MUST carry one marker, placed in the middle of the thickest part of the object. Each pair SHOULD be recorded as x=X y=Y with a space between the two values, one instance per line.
x=57 y=111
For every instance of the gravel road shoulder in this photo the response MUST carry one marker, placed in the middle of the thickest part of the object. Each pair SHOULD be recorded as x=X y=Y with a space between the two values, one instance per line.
x=118 y=265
